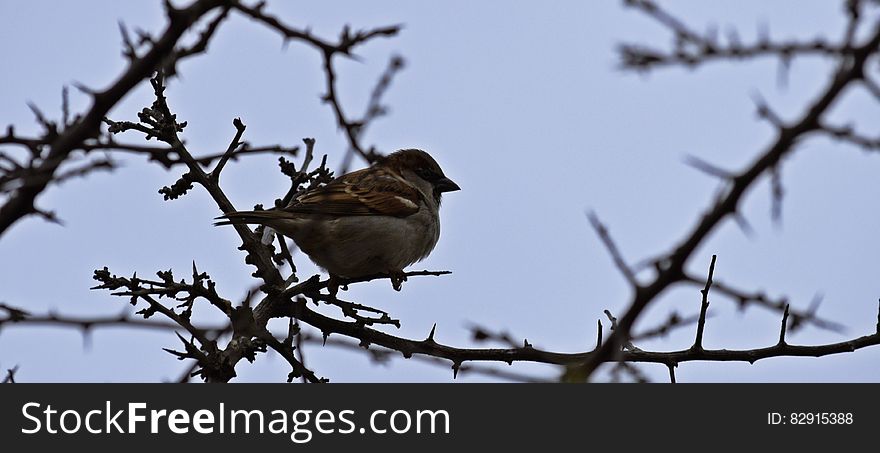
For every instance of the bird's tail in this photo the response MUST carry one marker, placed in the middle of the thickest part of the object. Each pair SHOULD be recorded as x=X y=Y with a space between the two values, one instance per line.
x=249 y=217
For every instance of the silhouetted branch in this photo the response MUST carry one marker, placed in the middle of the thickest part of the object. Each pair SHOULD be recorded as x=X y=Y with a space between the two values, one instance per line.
x=480 y=334
x=846 y=134
x=746 y=299
x=850 y=68
x=691 y=49
x=298 y=369
x=375 y=109
x=164 y=155
x=169 y=66
x=673 y=321
x=23 y=178
x=619 y=261
x=18 y=317
x=233 y=146
x=344 y=46
x=21 y=202
x=701 y=324
x=459 y=355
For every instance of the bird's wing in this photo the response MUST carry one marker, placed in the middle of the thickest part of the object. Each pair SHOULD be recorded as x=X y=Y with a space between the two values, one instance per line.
x=369 y=191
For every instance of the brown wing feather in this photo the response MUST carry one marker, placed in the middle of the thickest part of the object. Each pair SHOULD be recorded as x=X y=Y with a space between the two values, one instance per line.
x=364 y=192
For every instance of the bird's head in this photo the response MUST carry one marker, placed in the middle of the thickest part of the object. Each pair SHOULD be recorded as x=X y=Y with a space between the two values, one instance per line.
x=415 y=163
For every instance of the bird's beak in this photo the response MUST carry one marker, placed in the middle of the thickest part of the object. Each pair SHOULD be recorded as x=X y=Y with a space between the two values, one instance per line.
x=445 y=185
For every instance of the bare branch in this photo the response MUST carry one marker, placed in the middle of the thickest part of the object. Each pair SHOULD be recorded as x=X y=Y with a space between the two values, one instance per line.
x=375 y=109
x=692 y=49
x=846 y=134
x=603 y=234
x=345 y=45
x=234 y=145
x=701 y=324
x=849 y=69
x=18 y=317
x=21 y=203
x=746 y=299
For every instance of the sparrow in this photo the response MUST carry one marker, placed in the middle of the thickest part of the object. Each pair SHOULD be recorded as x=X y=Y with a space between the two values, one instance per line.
x=377 y=220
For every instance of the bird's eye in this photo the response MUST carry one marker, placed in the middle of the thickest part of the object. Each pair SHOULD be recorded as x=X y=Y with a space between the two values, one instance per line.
x=426 y=174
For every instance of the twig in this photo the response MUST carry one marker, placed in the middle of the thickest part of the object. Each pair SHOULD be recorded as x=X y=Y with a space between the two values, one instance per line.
x=704 y=305
x=603 y=234
x=693 y=49
x=344 y=46
x=746 y=299
x=375 y=109
x=850 y=68
x=239 y=130
x=21 y=203
x=784 y=326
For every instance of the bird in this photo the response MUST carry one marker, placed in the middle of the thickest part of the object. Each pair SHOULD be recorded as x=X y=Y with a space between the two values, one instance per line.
x=377 y=220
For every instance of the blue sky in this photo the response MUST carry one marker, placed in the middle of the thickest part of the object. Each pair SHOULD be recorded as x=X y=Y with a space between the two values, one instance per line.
x=524 y=105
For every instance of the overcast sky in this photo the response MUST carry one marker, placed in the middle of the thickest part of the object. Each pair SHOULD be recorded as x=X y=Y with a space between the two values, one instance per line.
x=523 y=104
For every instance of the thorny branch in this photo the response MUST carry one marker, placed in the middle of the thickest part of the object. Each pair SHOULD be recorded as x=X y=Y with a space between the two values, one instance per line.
x=347 y=42
x=13 y=316
x=374 y=110
x=691 y=48
x=850 y=69
x=287 y=297
x=158 y=122
x=45 y=164
x=525 y=351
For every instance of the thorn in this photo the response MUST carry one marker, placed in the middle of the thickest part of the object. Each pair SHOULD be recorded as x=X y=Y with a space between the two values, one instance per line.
x=784 y=323
x=602 y=231
x=455 y=367
x=87 y=338
x=744 y=225
x=707 y=168
x=82 y=88
x=430 y=338
x=783 y=69
x=48 y=125
x=526 y=343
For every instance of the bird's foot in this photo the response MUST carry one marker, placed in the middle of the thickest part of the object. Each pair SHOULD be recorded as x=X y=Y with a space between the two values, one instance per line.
x=397 y=279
